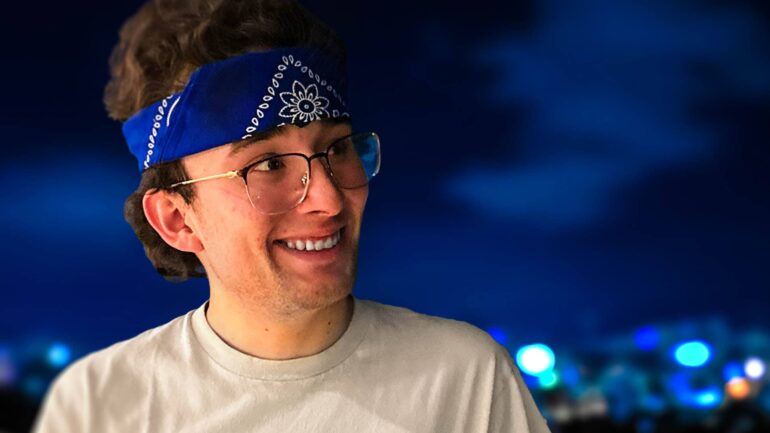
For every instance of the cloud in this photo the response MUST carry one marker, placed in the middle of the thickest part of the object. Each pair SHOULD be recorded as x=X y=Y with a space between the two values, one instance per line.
x=610 y=90
x=65 y=197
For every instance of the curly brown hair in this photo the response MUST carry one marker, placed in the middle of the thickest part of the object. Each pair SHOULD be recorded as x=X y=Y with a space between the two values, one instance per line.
x=160 y=46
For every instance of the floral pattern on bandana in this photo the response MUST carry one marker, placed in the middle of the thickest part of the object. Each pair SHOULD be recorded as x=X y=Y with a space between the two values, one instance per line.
x=303 y=103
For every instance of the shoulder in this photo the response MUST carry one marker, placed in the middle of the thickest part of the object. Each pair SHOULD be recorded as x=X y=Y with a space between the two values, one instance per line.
x=426 y=334
x=122 y=361
x=104 y=380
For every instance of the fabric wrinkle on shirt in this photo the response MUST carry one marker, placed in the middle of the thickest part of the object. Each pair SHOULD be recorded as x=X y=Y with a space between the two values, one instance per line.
x=392 y=371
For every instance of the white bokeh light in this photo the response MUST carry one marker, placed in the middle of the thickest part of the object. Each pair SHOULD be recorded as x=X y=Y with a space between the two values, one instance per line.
x=755 y=368
x=535 y=359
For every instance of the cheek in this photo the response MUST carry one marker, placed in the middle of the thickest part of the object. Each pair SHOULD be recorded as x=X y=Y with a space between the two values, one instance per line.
x=233 y=227
x=241 y=243
x=356 y=199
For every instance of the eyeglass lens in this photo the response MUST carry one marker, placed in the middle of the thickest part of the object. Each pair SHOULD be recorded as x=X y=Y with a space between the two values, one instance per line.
x=280 y=183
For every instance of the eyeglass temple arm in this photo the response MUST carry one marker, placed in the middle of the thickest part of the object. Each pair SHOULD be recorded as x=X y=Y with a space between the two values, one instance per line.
x=229 y=174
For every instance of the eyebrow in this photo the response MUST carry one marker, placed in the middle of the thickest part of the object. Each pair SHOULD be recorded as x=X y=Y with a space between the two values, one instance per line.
x=240 y=145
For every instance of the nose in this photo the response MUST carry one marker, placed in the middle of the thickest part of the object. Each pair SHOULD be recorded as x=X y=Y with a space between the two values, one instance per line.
x=322 y=195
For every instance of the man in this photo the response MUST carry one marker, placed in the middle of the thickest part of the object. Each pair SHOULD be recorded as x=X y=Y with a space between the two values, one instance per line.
x=253 y=177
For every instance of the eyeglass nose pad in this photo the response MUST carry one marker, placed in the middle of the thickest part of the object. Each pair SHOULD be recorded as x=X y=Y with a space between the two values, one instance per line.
x=306 y=176
x=324 y=160
x=328 y=168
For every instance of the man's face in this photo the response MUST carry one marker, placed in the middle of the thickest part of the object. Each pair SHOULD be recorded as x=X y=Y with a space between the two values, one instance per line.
x=245 y=252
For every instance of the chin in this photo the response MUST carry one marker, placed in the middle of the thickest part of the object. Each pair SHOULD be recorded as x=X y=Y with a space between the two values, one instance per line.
x=320 y=290
x=316 y=296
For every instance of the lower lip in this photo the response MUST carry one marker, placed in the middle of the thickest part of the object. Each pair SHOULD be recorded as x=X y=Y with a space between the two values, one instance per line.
x=322 y=256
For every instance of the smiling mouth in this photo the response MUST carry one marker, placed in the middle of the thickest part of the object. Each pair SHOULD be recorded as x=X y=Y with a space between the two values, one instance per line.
x=313 y=245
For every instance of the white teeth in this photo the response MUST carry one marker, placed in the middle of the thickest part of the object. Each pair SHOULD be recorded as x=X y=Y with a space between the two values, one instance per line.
x=308 y=245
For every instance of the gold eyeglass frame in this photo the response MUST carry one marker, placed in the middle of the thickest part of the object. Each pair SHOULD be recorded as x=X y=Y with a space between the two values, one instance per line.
x=243 y=172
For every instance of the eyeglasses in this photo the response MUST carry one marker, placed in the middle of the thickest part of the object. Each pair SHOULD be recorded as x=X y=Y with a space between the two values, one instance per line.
x=279 y=183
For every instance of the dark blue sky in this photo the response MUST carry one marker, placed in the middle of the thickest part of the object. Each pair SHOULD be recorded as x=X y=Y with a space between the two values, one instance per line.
x=558 y=170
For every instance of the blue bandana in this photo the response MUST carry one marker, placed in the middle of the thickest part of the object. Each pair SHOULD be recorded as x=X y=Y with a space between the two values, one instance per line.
x=234 y=98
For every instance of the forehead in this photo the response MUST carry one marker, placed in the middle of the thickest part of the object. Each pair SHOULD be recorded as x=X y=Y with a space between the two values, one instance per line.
x=321 y=130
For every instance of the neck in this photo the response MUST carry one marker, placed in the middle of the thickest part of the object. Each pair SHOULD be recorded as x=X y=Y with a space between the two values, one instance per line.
x=258 y=332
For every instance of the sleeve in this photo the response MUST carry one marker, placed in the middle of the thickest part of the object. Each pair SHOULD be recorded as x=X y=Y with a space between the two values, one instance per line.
x=64 y=407
x=513 y=409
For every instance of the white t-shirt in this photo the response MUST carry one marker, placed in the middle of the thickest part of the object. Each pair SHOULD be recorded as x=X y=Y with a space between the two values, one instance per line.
x=392 y=371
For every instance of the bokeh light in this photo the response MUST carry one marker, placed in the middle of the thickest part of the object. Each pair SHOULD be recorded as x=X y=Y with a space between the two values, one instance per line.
x=498 y=334
x=647 y=338
x=34 y=386
x=731 y=370
x=697 y=398
x=7 y=369
x=738 y=388
x=548 y=379
x=653 y=403
x=645 y=425
x=692 y=354
x=707 y=399
x=755 y=368
x=535 y=359
x=59 y=355
x=569 y=375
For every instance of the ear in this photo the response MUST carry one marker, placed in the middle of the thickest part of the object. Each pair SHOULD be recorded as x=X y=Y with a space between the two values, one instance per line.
x=165 y=212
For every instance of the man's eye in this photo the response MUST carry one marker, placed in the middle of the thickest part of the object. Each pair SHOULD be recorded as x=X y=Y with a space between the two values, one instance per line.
x=340 y=148
x=271 y=164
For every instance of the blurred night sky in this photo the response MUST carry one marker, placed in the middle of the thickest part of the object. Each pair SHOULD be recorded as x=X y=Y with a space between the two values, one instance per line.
x=560 y=170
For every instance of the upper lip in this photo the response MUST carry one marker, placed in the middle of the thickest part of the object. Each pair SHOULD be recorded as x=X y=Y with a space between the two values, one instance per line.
x=315 y=235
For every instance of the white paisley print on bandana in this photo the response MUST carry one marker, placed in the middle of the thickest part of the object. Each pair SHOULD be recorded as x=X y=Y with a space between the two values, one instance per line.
x=303 y=103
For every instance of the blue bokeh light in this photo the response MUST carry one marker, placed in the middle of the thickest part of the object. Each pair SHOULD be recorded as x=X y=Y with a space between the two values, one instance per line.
x=570 y=375
x=59 y=355
x=708 y=398
x=647 y=338
x=645 y=425
x=692 y=354
x=7 y=368
x=34 y=387
x=702 y=398
x=548 y=379
x=731 y=370
x=498 y=334
x=653 y=403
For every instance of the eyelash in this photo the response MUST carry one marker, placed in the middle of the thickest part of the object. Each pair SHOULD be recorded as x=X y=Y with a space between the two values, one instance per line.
x=267 y=155
x=261 y=157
